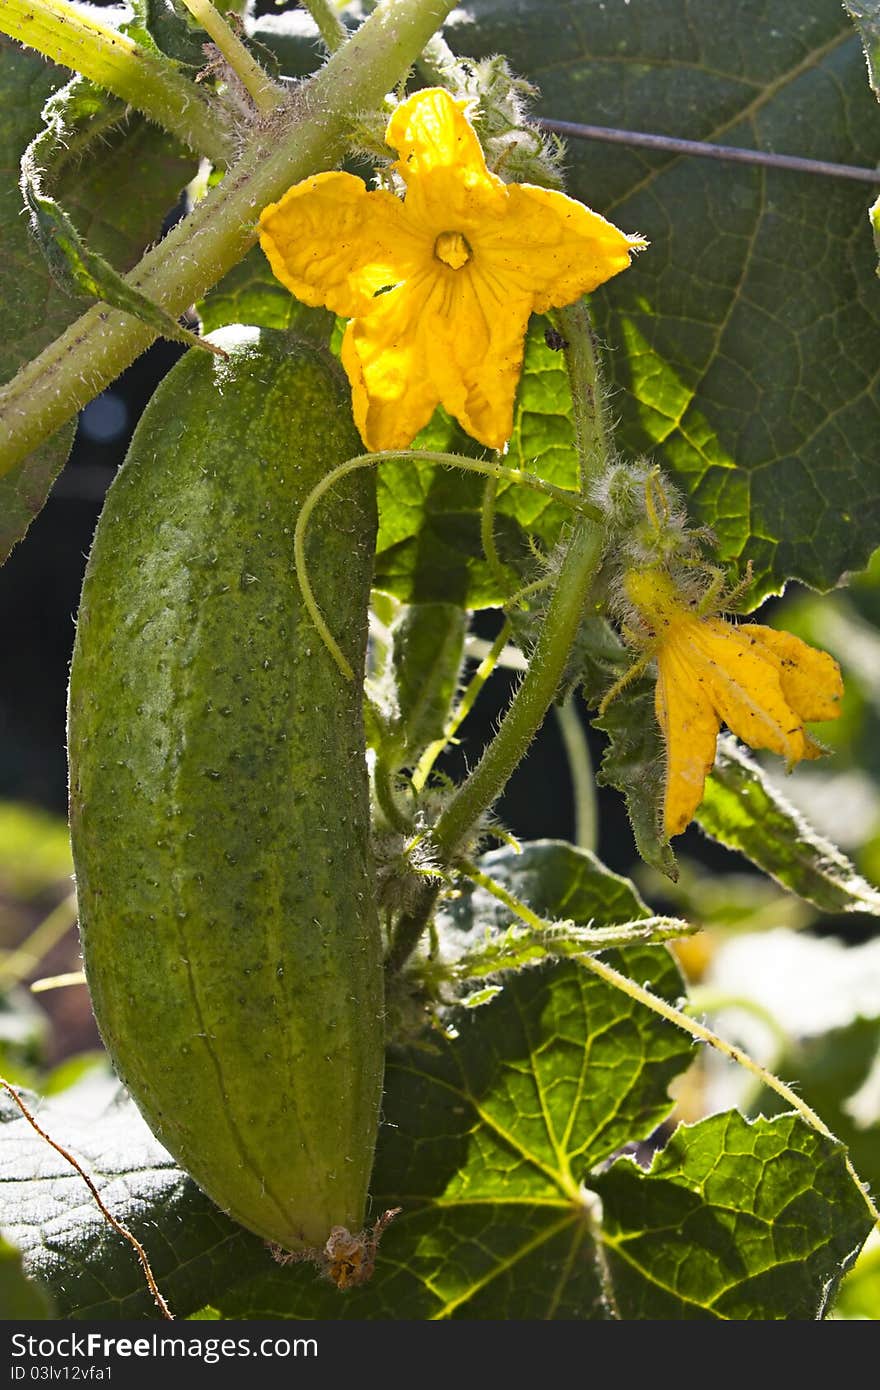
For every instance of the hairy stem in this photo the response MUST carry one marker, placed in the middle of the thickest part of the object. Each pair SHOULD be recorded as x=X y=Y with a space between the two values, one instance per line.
x=119 y=65
x=287 y=146
x=330 y=26
x=262 y=90
x=592 y=426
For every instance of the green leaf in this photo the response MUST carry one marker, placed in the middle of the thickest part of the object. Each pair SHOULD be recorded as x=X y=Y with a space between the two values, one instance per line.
x=249 y=293
x=635 y=763
x=490 y=1126
x=865 y=14
x=838 y=1075
x=117 y=201
x=25 y=83
x=733 y=1220
x=79 y=271
x=859 y=1296
x=20 y=1298
x=590 y=908
x=167 y=27
x=744 y=342
x=427 y=654
x=556 y=879
x=429 y=548
x=744 y=811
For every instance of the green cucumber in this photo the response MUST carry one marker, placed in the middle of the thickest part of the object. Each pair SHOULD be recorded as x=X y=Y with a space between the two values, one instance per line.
x=219 y=804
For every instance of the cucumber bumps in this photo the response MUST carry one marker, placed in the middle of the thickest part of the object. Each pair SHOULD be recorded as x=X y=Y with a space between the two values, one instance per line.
x=218 y=790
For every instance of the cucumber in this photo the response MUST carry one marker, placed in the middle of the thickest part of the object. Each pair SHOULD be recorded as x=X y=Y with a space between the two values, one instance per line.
x=219 y=805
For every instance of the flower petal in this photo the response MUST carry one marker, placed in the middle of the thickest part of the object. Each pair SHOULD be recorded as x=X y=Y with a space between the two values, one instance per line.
x=385 y=355
x=552 y=246
x=449 y=187
x=690 y=730
x=331 y=241
x=476 y=339
x=811 y=680
x=742 y=680
x=430 y=131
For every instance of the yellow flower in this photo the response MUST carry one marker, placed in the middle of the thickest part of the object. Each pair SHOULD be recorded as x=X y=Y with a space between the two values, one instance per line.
x=439 y=286
x=761 y=683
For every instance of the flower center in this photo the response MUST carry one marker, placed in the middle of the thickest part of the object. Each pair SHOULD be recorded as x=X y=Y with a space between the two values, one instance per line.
x=452 y=249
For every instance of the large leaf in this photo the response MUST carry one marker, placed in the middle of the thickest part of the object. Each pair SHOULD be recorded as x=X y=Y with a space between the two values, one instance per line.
x=732 y=1221
x=498 y=1126
x=744 y=342
x=838 y=1074
x=118 y=177
x=488 y=1132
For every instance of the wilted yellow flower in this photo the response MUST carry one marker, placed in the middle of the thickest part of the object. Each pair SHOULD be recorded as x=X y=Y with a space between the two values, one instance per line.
x=439 y=286
x=761 y=683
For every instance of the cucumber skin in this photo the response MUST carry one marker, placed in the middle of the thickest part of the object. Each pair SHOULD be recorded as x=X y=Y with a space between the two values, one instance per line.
x=219 y=803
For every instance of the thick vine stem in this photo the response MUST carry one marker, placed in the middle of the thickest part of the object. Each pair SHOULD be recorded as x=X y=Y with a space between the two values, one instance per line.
x=121 y=66
x=294 y=141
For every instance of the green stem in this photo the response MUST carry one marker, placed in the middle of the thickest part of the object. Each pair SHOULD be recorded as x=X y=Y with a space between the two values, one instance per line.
x=330 y=26
x=198 y=251
x=580 y=768
x=384 y=789
x=263 y=91
x=592 y=425
x=115 y=62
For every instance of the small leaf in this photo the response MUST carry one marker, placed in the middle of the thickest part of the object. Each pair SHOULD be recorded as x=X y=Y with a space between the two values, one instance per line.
x=21 y=1300
x=118 y=201
x=82 y=272
x=733 y=1220
x=745 y=812
x=428 y=651
x=168 y=28
x=635 y=763
x=557 y=881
